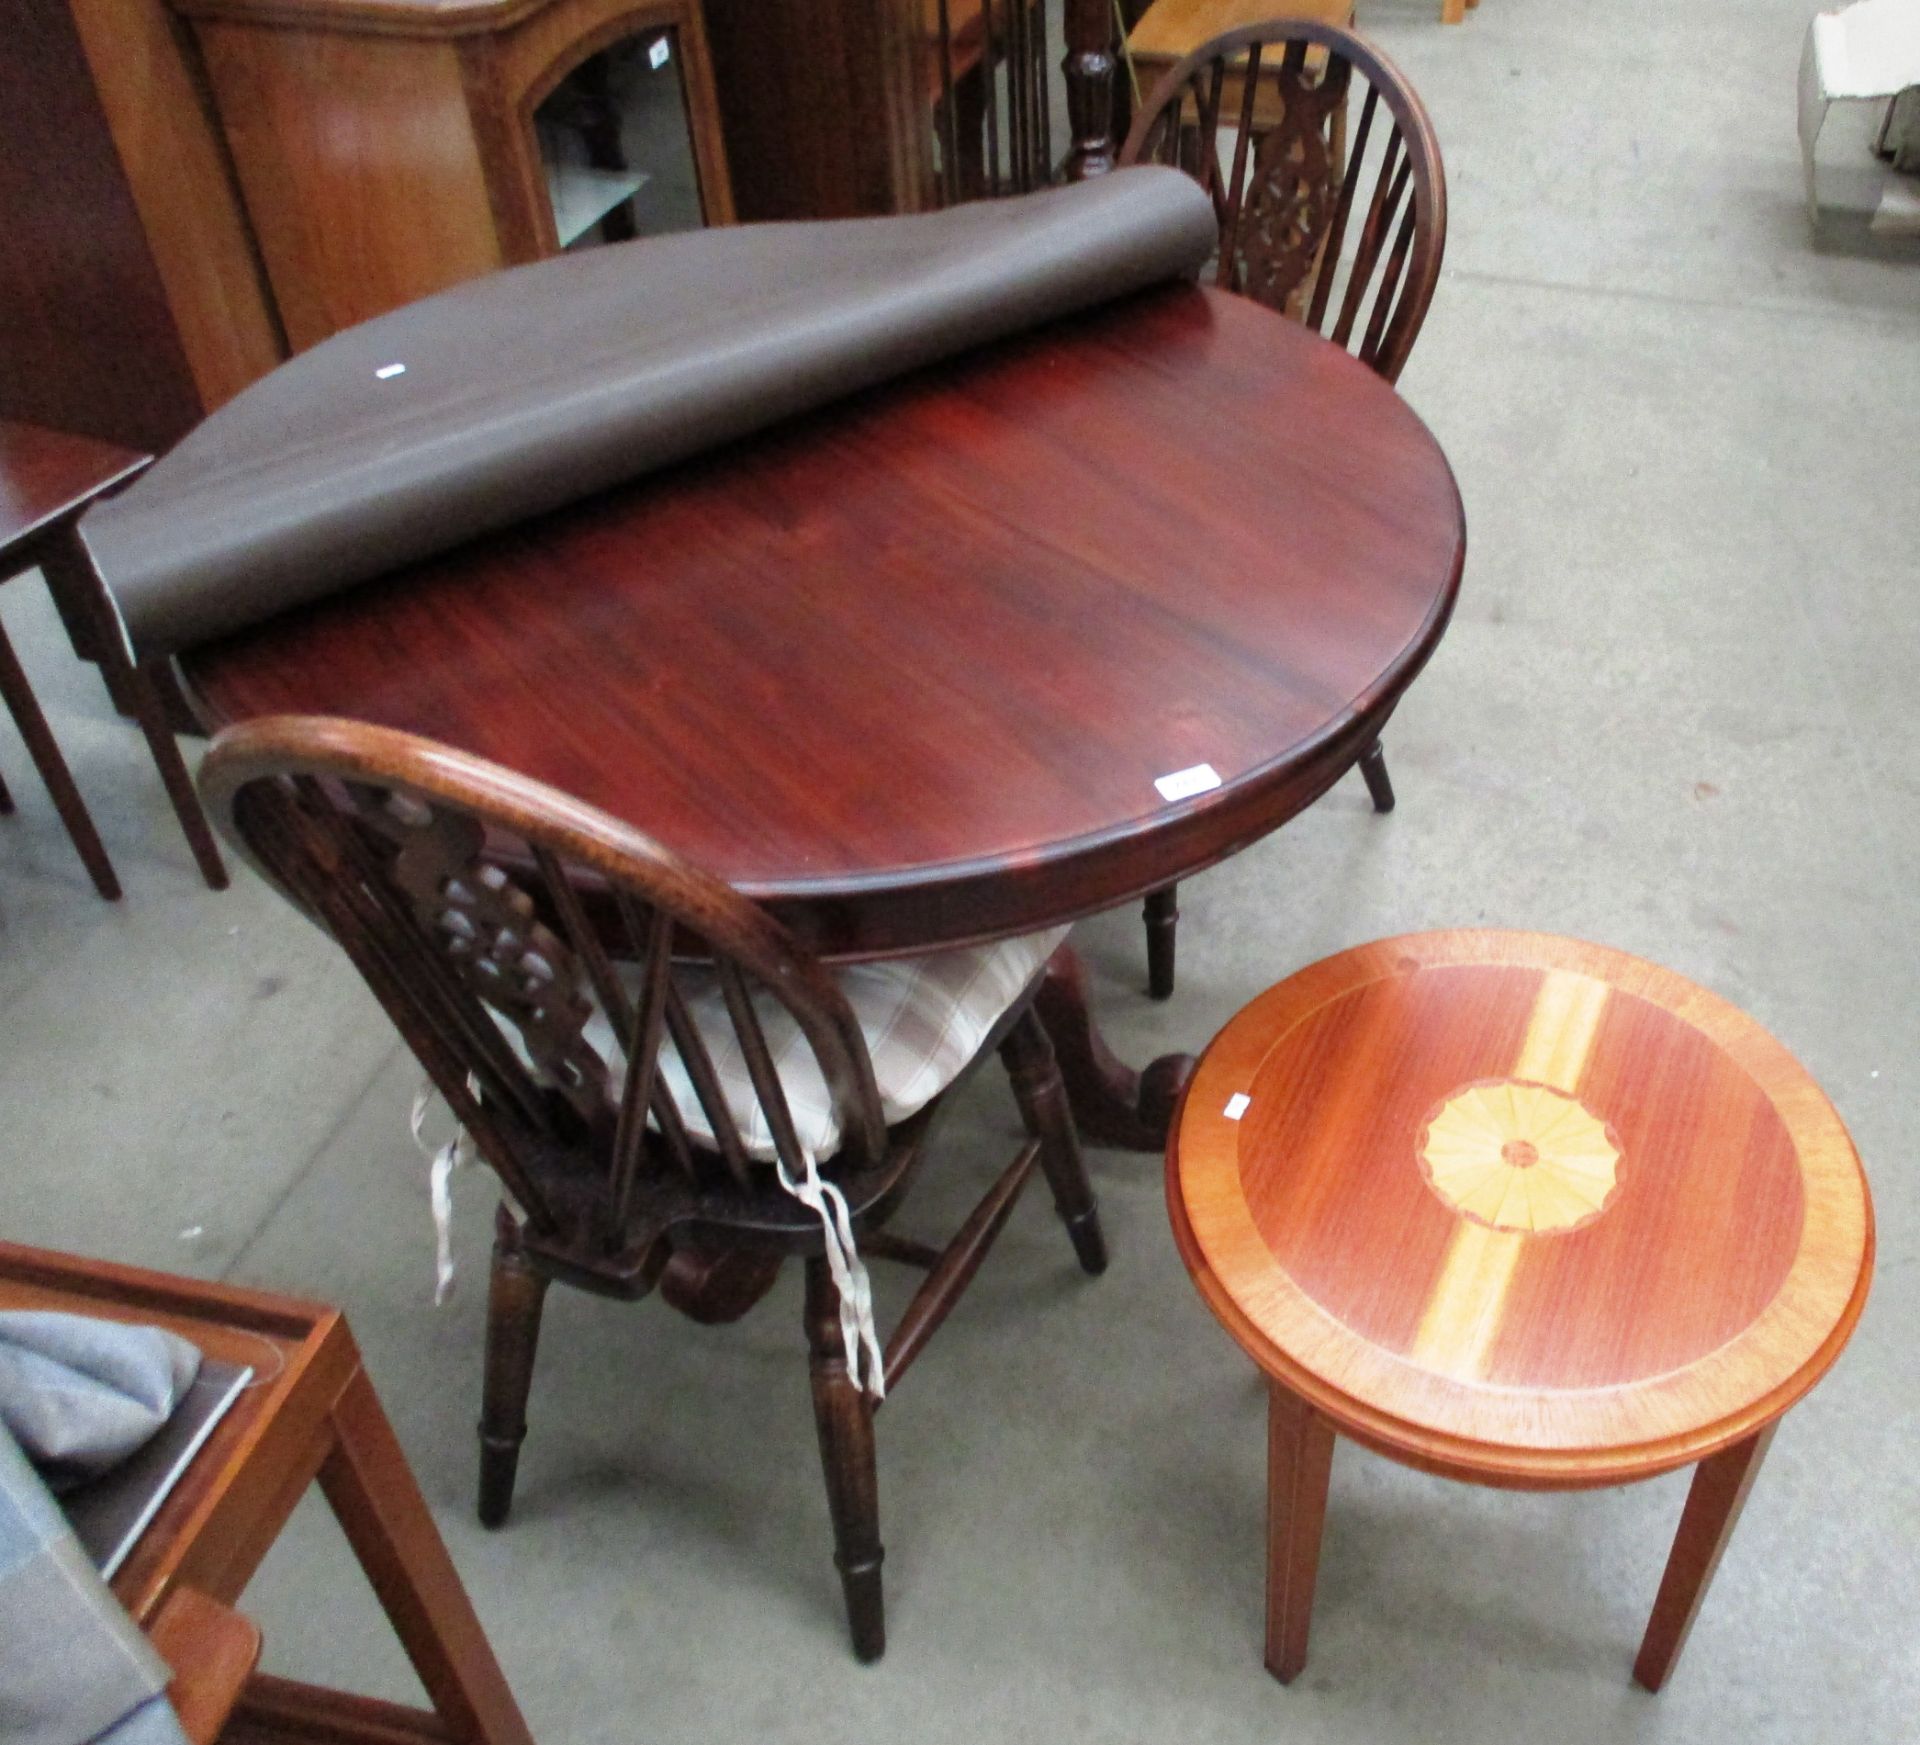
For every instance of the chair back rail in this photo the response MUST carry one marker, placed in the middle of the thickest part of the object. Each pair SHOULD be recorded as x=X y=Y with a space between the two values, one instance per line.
x=1292 y=182
x=455 y=888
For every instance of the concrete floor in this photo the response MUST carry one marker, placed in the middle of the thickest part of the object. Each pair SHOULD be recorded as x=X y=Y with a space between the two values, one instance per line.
x=1672 y=714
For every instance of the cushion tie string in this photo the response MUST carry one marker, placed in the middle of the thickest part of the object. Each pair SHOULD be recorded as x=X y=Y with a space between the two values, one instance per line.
x=848 y=1270
x=457 y=1153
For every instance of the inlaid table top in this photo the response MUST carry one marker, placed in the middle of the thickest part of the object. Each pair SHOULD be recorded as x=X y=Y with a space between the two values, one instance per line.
x=913 y=669
x=1520 y=1209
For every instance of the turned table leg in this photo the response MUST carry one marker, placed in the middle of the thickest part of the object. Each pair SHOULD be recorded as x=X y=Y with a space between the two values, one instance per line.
x=1112 y=1104
x=1299 y=1465
x=1720 y=1486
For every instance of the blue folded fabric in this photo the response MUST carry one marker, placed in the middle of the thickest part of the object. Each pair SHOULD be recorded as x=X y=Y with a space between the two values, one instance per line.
x=79 y=1394
x=73 y=1666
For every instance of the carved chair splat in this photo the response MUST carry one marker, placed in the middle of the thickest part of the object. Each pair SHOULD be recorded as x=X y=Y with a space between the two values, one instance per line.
x=537 y=956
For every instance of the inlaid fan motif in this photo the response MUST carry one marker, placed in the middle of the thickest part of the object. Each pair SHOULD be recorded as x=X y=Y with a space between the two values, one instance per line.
x=1519 y=1156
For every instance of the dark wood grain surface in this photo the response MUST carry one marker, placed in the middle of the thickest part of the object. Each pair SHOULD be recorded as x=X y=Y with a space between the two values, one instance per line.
x=87 y=339
x=49 y=476
x=909 y=669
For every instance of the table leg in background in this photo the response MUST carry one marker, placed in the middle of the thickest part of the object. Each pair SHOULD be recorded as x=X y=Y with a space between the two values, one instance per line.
x=82 y=598
x=1112 y=1104
x=25 y=710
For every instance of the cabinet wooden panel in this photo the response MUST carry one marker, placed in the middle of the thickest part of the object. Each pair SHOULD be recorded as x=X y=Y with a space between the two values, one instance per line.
x=387 y=148
x=154 y=95
x=89 y=341
x=826 y=108
x=130 y=300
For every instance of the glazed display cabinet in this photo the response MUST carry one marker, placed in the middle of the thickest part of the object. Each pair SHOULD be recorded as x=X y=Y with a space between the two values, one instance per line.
x=387 y=149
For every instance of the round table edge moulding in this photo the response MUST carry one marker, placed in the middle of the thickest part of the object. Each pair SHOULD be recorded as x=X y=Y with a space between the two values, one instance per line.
x=1563 y=1440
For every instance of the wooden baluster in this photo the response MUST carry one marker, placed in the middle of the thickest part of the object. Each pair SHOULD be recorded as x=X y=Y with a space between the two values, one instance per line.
x=1043 y=83
x=1209 y=140
x=1377 y=327
x=1393 y=167
x=1089 y=66
x=692 y=1049
x=643 y=1058
x=989 y=53
x=1036 y=86
x=673 y=1130
x=1170 y=152
x=666 y=1112
x=1343 y=207
x=1236 y=187
x=585 y=941
x=761 y=1070
x=949 y=137
x=1019 y=113
x=1367 y=256
x=613 y=997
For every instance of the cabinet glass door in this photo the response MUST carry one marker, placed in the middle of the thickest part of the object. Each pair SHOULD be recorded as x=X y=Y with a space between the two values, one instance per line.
x=616 y=146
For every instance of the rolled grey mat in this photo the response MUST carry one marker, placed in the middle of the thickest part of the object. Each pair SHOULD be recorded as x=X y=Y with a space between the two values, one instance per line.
x=517 y=393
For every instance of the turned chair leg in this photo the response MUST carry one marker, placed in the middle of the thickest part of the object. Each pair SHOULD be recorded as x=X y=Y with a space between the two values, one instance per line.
x=1162 y=915
x=41 y=747
x=843 y=1416
x=516 y=1296
x=1373 y=768
x=1042 y=1095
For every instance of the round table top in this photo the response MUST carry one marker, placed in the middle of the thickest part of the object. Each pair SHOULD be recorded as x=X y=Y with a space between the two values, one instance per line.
x=1520 y=1209
x=911 y=669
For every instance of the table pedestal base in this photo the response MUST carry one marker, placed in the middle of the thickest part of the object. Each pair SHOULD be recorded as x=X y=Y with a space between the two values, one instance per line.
x=1112 y=1103
x=1300 y=1463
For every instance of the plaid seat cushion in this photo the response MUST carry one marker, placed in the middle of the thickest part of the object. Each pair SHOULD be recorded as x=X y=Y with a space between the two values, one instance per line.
x=924 y=1019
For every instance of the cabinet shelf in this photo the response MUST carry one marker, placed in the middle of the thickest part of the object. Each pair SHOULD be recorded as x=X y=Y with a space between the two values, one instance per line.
x=583 y=196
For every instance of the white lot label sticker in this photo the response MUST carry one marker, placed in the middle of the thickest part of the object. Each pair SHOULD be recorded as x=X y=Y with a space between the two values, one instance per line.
x=658 y=54
x=1183 y=784
x=386 y=372
x=1237 y=1105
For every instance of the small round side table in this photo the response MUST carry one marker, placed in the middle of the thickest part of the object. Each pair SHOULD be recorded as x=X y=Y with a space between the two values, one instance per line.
x=1520 y=1211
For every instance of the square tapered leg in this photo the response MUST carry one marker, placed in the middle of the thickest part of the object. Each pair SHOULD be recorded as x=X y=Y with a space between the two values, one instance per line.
x=1299 y=1466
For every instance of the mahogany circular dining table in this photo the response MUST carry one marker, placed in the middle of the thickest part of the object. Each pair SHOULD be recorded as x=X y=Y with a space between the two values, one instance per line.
x=909 y=669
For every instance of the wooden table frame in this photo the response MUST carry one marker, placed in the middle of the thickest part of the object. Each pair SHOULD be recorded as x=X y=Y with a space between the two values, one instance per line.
x=319 y=1419
x=1125 y=465
x=1412 y=1272
x=48 y=479
x=1300 y=1466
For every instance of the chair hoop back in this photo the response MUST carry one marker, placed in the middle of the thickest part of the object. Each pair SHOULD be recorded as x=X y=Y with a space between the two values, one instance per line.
x=1287 y=195
x=490 y=915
